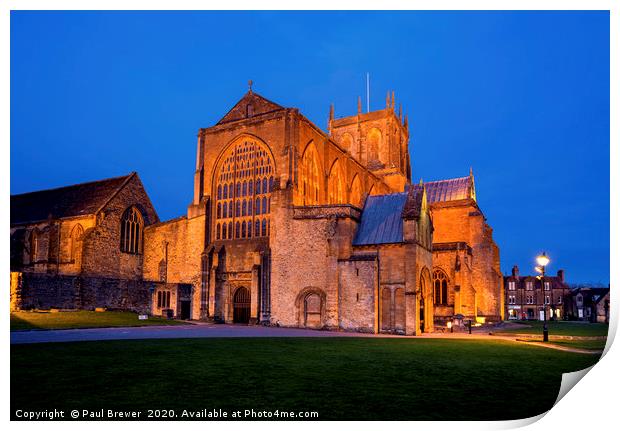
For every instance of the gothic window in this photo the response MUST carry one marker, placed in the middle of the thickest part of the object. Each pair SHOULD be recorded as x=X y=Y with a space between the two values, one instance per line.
x=132 y=226
x=219 y=191
x=244 y=174
x=310 y=176
x=217 y=230
x=373 y=142
x=335 y=185
x=356 y=192
x=76 y=242
x=34 y=245
x=346 y=142
x=440 y=284
x=219 y=210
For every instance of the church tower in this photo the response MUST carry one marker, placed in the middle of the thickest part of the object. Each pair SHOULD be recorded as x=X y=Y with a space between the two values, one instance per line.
x=378 y=140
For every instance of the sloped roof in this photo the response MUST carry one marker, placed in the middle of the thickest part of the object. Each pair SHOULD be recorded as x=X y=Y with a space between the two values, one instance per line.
x=259 y=105
x=70 y=201
x=382 y=221
x=450 y=190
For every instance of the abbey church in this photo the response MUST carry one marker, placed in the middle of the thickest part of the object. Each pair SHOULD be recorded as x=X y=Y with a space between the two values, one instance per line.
x=288 y=226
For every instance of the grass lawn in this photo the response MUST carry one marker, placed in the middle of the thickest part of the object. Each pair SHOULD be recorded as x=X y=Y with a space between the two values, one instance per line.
x=340 y=378
x=559 y=328
x=582 y=344
x=81 y=319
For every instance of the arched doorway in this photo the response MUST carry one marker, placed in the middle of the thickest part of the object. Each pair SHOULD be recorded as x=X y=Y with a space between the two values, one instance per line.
x=312 y=311
x=241 y=305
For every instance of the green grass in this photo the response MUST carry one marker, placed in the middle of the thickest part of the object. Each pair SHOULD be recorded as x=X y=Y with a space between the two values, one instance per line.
x=559 y=328
x=81 y=319
x=582 y=344
x=340 y=378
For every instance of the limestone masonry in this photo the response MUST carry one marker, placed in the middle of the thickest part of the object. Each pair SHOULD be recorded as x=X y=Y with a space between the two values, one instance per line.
x=288 y=226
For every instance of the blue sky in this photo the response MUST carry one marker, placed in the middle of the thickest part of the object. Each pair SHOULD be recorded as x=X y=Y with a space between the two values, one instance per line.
x=522 y=97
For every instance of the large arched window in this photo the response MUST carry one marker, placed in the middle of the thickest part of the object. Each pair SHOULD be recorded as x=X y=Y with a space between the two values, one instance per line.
x=356 y=192
x=76 y=242
x=310 y=176
x=246 y=176
x=336 y=185
x=440 y=285
x=132 y=227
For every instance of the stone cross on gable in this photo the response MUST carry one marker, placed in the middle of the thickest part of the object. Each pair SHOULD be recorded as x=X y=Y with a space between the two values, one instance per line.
x=250 y=82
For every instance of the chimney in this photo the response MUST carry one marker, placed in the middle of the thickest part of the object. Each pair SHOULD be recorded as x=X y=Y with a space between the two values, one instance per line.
x=515 y=271
x=561 y=275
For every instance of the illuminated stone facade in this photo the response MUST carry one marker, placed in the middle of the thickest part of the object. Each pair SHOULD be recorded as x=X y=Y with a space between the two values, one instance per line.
x=291 y=226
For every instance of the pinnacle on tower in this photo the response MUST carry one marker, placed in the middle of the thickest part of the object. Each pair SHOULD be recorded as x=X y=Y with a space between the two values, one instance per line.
x=387 y=100
x=359 y=104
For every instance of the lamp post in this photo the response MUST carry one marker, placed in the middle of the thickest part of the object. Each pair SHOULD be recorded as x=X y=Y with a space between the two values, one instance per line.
x=543 y=261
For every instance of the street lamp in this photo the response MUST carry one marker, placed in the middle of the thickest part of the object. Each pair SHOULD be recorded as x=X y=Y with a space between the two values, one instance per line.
x=543 y=261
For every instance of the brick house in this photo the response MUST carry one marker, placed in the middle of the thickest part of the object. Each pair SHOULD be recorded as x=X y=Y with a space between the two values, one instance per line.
x=590 y=304
x=527 y=297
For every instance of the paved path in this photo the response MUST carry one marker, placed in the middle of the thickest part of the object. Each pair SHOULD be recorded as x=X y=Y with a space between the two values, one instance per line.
x=201 y=330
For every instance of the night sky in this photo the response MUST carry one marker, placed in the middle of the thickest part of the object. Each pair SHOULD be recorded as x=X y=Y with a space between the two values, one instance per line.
x=522 y=97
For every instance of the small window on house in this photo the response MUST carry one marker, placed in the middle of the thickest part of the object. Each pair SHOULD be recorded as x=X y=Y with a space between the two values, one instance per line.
x=163 y=299
x=547 y=300
x=547 y=285
x=529 y=285
x=511 y=285
x=132 y=226
x=559 y=299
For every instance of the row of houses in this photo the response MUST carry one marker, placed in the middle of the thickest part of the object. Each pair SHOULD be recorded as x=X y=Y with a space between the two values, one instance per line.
x=531 y=297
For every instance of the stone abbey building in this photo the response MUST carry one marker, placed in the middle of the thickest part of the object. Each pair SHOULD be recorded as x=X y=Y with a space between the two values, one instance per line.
x=288 y=226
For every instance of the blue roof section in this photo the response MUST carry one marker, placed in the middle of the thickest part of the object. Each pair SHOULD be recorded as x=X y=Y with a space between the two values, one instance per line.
x=382 y=221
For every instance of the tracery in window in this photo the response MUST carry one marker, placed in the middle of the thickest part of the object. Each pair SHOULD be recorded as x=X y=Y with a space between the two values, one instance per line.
x=132 y=226
x=335 y=185
x=76 y=242
x=440 y=284
x=246 y=177
x=310 y=177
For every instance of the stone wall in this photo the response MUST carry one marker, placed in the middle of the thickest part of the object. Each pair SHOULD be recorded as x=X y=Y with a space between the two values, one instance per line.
x=479 y=278
x=102 y=256
x=172 y=254
x=44 y=291
x=357 y=280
